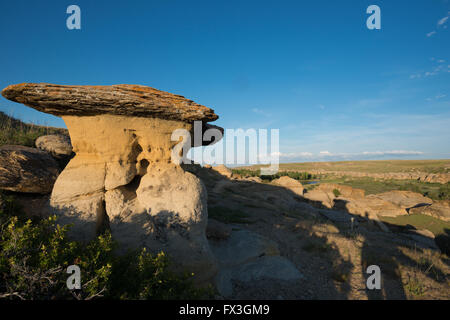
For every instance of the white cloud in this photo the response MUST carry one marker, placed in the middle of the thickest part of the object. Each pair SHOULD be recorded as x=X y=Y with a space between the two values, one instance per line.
x=332 y=156
x=440 y=24
x=393 y=152
x=294 y=155
x=442 y=21
x=434 y=71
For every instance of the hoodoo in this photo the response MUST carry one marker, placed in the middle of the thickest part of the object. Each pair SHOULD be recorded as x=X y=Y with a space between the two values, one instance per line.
x=122 y=176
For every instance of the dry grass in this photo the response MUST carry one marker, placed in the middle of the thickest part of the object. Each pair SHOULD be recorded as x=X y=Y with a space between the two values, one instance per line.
x=14 y=131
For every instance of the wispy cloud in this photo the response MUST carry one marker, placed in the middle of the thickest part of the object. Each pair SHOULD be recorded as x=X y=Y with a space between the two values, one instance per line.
x=442 y=21
x=394 y=135
x=439 y=67
x=295 y=155
x=332 y=156
x=393 y=152
x=437 y=97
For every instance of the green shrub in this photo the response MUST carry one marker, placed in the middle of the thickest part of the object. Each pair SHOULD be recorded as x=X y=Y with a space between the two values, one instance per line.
x=336 y=192
x=414 y=286
x=34 y=256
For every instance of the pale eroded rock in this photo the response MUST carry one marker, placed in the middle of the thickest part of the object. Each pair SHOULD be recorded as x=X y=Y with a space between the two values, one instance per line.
x=57 y=145
x=438 y=209
x=223 y=170
x=344 y=191
x=25 y=169
x=291 y=184
x=404 y=199
x=126 y=174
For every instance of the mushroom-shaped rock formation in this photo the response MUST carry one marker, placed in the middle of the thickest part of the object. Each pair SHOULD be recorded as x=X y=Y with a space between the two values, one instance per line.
x=122 y=175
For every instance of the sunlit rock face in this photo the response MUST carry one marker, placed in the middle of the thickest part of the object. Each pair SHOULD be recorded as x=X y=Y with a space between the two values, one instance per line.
x=122 y=176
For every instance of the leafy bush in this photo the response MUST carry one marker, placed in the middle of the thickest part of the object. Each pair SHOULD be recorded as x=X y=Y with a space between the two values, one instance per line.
x=336 y=192
x=34 y=256
x=444 y=192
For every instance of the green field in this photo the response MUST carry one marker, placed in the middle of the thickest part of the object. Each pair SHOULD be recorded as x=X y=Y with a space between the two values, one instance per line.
x=435 y=191
x=304 y=172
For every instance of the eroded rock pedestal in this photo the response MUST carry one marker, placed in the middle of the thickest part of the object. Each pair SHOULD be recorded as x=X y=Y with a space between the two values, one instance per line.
x=122 y=176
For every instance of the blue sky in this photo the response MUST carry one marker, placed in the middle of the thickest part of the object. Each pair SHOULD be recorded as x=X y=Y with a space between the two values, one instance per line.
x=335 y=89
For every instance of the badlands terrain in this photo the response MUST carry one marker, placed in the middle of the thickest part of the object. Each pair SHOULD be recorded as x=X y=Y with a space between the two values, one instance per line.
x=280 y=239
x=309 y=232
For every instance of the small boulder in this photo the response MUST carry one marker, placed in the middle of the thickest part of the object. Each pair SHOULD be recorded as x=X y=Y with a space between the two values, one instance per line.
x=253 y=179
x=25 y=169
x=57 y=145
x=291 y=184
x=223 y=170
x=344 y=191
x=318 y=196
x=404 y=199
x=217 y=230
x=438 y=209
x=369 y=206
x=247 y=256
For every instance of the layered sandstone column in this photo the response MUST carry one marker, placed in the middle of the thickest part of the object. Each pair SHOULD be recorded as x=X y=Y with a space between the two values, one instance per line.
x=122 y=176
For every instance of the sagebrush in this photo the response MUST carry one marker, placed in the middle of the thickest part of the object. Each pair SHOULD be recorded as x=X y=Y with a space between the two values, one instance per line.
x=35 y=254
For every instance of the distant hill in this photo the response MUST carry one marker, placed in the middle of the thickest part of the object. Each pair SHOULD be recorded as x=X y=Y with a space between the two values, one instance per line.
x=369 y=166
x=14 y=131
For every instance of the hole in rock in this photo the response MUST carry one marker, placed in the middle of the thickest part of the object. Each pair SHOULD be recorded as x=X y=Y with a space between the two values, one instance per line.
x=144 y=164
